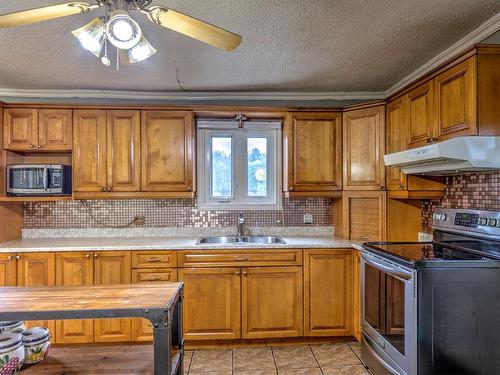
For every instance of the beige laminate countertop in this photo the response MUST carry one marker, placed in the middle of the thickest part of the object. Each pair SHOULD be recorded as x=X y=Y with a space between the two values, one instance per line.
x=161 y=243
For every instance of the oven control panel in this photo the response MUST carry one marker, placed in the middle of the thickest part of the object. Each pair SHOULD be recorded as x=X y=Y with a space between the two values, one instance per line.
x=487 y=222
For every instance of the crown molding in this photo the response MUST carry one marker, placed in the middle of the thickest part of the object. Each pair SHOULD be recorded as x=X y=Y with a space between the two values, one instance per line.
x=485 y=30
x=5 y=94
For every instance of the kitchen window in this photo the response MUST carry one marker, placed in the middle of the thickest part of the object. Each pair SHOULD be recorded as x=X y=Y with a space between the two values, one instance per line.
x=239 y=165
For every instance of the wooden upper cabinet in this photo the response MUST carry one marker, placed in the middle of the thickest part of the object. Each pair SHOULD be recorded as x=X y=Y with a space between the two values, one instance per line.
x=328 y=292
x=361 y=215
x=89 y=155
x=271 y=302
x=421 y=115
x=74 y=268
x=364 y=148
x=167 y=139
x=8 y=270
x=37 y=269
x=55 y=129
x=123 y=150
x=456 y=100
x=212 y=300
x=313 y=149
x=20 y=129
x=396 y=140
x=112 y=267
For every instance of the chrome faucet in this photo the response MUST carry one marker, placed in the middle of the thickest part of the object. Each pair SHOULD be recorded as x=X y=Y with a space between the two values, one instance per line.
x=241 y=223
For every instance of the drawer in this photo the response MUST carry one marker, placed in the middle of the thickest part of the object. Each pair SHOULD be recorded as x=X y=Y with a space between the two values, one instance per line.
x=154 y=259
x=239 y=258
x=153 y=274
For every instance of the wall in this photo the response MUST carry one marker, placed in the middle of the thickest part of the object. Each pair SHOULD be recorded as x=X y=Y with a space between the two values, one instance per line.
x=476 y=191
x=169 y=213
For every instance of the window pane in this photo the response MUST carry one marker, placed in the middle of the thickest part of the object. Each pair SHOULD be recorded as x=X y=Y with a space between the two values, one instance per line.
x=257 y=167
x=222 y=179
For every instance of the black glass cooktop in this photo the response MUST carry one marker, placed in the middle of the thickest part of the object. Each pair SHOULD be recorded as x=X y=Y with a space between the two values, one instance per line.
x=418 y=253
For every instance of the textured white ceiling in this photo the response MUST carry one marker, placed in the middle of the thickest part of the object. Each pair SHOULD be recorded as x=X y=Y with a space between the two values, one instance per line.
x=288 y=45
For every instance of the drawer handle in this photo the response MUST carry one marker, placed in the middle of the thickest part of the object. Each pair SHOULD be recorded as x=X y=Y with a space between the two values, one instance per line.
x=238 y=259
x=153 y=278
x=153 y=260
x=365 y=237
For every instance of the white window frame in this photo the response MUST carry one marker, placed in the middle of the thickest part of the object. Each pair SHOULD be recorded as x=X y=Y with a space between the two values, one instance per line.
x=208 y=129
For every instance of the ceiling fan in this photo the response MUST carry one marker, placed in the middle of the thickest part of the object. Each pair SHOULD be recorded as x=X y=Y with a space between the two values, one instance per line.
x=121 y=30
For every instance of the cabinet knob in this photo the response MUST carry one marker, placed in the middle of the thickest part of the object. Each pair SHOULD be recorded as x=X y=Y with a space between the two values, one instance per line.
x=244 y=273
x=291 y=188
x=103 y=189
x=87 y=256
x=381 y=188
x=18 y=256
x=401 y=186
x=32 y=146
x=9 y=257
x=95 y=255
x=38 y=146
x=109 y=189
x=238 y=273
x=431 y=140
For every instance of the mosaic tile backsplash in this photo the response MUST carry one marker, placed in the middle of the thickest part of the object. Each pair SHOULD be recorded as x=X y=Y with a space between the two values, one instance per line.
x=173 y=213
x=475 y=191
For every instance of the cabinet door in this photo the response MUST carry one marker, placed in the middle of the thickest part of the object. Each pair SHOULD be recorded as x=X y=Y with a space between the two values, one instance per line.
x=112 y=267
x=328 y=292
x=123 y=151
x=167 y=150
x=421 y=121
x=37 y=269
x=396 y=140
x=456 y=100
x=364 y=215
x=74 y=269
x=55 y=129
x=271 y=302
x=313 y=144
x=89 y=155
x=141 y=328
x=211 y=303
x=357 y=295
x=20 y=131
x=364 y=148
x=8 y=270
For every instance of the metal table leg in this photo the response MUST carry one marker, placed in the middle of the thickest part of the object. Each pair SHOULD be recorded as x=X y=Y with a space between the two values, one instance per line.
x=162 y=342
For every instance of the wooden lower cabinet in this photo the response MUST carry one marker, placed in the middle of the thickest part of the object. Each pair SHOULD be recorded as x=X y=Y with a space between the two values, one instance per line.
x=141 y=328
x=271 y=302
x=212 y=298
x=112 y=267
x=37 y=269
x=8 y=270
x=74 y=269
x=328 y=296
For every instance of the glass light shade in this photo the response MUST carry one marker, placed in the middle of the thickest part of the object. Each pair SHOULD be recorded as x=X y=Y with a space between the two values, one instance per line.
x=123 y=32
x=92 y=36
x=141 y=51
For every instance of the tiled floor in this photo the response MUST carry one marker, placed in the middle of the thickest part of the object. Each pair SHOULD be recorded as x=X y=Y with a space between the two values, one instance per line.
x=321 y=359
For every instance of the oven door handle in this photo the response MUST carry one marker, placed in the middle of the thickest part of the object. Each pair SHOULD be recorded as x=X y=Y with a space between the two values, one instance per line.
x=388 y=269
x=46 y=178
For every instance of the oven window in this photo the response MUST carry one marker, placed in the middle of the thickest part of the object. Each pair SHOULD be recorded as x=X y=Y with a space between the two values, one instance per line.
x=26 y=178
x=384 y=306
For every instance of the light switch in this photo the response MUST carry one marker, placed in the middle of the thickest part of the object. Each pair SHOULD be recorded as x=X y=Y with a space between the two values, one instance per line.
x=308 y=218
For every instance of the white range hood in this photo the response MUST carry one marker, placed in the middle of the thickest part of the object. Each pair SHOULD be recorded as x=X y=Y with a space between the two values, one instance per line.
x=454 y=156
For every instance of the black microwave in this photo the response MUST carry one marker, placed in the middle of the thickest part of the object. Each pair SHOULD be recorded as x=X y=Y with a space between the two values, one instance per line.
x=38 y=179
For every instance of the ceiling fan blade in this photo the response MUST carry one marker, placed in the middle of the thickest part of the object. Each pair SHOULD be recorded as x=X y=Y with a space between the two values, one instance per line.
x=190 y=26
x=43 y=14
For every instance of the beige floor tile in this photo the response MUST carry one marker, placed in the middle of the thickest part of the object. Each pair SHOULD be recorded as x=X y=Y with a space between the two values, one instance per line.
x=246 y=359
x=256 y=372
x=300 y=371
x=188 y=355
x=294 y=357
x=356 y=347
x=345 y=370
x=205 y=361
x=332 y=355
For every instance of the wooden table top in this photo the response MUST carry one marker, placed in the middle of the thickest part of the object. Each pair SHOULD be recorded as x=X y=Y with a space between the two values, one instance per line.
x=88 y=297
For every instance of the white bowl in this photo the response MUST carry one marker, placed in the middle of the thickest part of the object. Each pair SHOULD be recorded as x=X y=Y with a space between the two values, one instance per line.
x=11 y=353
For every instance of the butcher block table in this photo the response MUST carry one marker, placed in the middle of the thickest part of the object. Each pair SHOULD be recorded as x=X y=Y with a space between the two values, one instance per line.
x=160 y=303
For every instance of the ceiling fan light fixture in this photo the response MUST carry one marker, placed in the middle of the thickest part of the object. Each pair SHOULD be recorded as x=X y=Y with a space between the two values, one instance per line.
x=122 y=30
x=141 y=51
x=92 y=36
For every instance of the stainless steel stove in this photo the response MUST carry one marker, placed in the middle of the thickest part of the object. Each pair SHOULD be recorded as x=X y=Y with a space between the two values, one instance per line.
x=431 y=308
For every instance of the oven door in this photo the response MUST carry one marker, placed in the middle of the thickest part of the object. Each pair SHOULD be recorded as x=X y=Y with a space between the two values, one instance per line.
x=389 y=313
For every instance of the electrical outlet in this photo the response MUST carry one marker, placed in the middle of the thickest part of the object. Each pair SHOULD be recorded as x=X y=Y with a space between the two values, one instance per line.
x=308 y=218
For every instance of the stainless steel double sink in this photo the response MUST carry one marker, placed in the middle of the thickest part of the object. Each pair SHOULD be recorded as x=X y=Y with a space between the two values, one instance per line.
x=241 y=240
